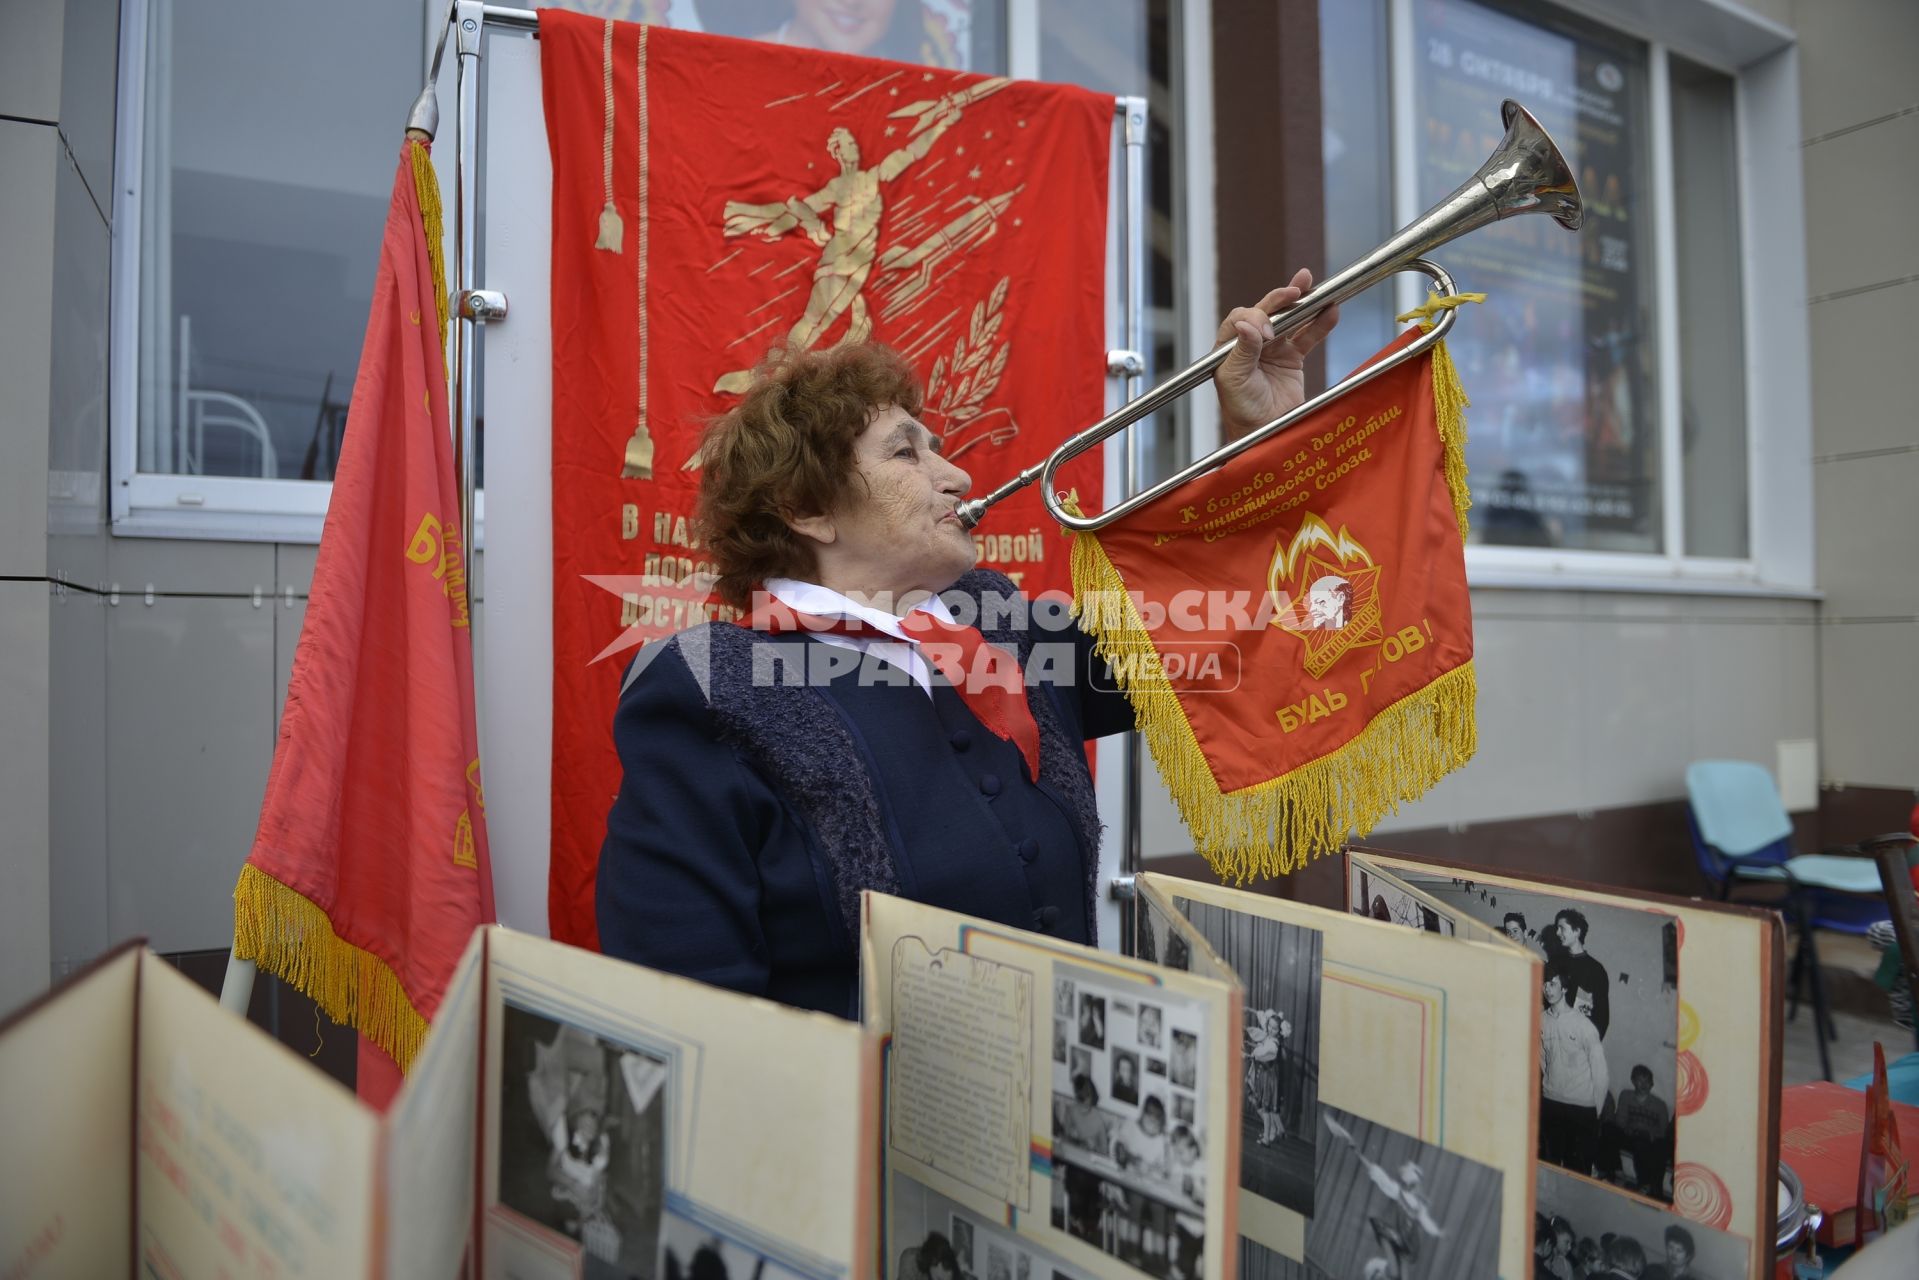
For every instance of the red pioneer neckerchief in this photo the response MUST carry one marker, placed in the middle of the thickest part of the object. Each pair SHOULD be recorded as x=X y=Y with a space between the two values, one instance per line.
x=987 y=678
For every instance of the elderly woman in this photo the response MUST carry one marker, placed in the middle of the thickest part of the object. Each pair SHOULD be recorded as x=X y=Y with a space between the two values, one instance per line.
x=776 y=767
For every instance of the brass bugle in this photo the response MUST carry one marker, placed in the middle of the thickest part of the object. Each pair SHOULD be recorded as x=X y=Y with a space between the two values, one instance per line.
x=1526 y=173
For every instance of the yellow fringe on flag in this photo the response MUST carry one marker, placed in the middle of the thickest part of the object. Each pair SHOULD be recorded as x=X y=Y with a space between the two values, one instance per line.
x=1449 y=412
x=426 y=189
x=283 y=932
x=1278 y=826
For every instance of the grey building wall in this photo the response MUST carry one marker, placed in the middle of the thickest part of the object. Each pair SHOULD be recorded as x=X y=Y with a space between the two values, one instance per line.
x=57 y=76
x=1861 y=129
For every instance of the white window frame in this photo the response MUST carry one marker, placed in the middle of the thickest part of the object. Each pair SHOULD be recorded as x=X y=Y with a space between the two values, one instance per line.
x=157 y=504
x=225 y=508
x=1761 y=57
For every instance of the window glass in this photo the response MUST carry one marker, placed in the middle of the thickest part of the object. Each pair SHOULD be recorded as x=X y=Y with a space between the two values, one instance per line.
x=1356 y=146
x=1712 y=388
x=1128 y=48
x=261 y=175
x=967 y=34
x=1564 y=442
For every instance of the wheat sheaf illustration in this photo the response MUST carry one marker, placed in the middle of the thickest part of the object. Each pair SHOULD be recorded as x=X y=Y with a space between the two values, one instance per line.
x=959 y=385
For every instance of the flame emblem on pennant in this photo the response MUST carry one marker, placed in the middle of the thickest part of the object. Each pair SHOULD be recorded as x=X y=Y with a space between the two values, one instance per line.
x=1325 y=590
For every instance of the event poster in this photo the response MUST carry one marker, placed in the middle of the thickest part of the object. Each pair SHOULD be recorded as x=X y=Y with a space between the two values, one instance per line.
x=1564 y=448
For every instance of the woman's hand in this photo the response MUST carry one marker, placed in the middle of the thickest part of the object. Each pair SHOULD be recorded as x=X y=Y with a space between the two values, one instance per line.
x=1263 y=378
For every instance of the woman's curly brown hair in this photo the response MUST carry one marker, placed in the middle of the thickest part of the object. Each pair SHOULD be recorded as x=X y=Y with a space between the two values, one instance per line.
x=786 y=450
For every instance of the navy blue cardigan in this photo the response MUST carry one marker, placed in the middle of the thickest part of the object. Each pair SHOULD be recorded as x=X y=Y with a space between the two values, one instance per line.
x=755 y=804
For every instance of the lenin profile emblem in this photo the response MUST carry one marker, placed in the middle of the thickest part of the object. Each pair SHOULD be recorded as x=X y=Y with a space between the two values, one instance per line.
x=1325 y=590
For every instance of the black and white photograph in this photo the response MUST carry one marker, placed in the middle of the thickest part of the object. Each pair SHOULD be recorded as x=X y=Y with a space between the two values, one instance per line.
x=1128 y=1173
x=692 y=1251
x=1159 y=940
x=1391 y=1207
x=1149 y=1025
x=1581 y=1228
x=1082 y=1064
x=1608 y=1027
x=1156 y=1067
x=1125 y=1076
x=1183 y=1108
x=583 y=1141
x=1279 y=964
x=1257 y=1262
x=1059 y=1039
x=935 y=1238
x=1063 y=1001
x=1092 y=1021
x=1185 y=1059
x=962 y=1238
x=1381 y=899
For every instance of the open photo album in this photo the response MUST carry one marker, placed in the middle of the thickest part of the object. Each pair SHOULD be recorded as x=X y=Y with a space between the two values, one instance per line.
x=1466 y=1074
x=1658 y=1058
x=569 y=1115
x=1387 y=1109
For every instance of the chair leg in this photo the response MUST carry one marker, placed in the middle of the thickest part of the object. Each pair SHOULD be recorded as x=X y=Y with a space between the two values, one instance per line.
x=1822 y=1025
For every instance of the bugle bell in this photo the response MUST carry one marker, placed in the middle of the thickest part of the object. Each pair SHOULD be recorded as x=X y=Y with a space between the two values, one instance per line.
x=1526 y=173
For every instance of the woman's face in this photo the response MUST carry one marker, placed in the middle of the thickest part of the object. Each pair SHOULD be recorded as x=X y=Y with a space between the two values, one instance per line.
x=840 y=26
x=897 y=531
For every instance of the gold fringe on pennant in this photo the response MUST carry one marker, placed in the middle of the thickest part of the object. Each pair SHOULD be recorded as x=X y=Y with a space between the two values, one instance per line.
x=426 y=189
x=1449 y=411
x=287 y=935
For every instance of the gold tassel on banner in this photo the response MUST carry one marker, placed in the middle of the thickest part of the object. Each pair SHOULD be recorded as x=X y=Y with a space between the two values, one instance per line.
x=612 y=230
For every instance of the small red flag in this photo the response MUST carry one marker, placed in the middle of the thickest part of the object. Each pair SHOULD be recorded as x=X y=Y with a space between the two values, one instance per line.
x=369 y=870
x=1293 y=629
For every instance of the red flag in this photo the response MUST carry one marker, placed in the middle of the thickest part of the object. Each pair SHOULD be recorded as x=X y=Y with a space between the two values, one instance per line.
x=1294 y=629
x=713 y=198
x=369 y=870
x=1883 y=1167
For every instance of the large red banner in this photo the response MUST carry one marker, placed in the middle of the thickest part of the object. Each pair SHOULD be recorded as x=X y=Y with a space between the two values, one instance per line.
x=714 y=198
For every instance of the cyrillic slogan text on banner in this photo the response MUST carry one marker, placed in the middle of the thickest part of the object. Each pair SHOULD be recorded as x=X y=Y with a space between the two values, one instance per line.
x=1293 y=630
x=714 y=198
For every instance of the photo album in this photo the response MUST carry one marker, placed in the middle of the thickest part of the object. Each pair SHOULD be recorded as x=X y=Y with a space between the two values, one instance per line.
x=1387 y=1114
x=1053 y=1111
x=1657 y=1059
x=569 y=1115
x=1466 y=1074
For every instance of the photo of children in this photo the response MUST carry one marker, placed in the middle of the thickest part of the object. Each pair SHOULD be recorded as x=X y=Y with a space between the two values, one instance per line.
x=583 y=1140
x=1279 y=964
x=1128 y=1173
x=1149 y=1024
x=1577 y=1219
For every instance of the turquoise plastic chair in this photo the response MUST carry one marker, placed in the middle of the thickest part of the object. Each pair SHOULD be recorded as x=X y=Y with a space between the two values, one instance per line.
x=1742 y=836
